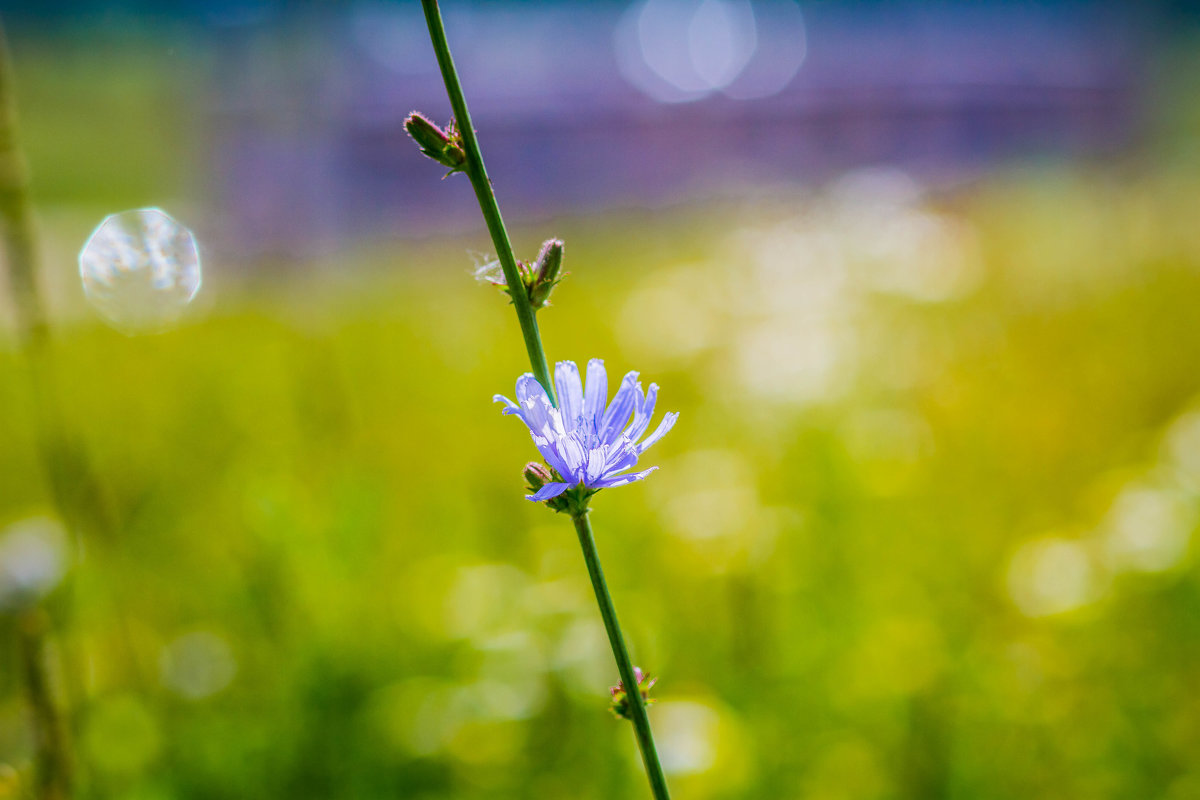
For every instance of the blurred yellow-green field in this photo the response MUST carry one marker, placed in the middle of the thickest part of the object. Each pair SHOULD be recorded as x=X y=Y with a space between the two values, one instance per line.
x=924 y=528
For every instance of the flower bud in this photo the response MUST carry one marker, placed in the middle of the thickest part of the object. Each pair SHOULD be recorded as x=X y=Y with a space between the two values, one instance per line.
x=620 y=702
x=544 y=274
x=538 y=279
x=443 y=146
x=549 y=260
x=537 y=475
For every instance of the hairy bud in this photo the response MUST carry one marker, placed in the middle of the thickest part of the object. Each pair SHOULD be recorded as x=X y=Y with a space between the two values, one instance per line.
x=544 y=274
x=443 y=146
x=537 y=475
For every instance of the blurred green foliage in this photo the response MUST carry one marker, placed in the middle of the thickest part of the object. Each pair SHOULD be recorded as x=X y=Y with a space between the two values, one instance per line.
x=923 y=530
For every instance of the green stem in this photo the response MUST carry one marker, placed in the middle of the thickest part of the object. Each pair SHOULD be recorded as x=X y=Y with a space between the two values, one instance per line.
x=537 y=358
x=477 y=172
x=633 y=694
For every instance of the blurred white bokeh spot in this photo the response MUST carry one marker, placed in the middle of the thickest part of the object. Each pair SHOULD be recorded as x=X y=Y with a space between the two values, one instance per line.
x=795 y=361
x=140 y=270
x=682 y=50
x=651 y=314
x=1052 y=576
x=197 y=665
x=1181 y=447
x=33 y=558
x=1148 y=529
x=687 y=736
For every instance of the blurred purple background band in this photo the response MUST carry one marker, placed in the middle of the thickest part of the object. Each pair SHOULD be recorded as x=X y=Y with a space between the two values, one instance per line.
x=593 y=105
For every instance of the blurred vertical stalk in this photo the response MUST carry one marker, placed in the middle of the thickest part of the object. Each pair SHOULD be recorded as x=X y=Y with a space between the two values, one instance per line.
x=17 y=216
x=537 y=358
x=73 y=486
x=54 y=774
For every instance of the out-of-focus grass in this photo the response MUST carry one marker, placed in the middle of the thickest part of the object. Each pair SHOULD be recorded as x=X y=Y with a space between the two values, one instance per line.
x=111 y=114
x=923 y=529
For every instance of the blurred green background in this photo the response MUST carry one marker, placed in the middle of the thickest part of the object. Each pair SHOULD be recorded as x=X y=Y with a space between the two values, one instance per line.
x=923 y=529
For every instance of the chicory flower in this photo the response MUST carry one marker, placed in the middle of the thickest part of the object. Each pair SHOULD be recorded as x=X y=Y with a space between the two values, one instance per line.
x=587 y=441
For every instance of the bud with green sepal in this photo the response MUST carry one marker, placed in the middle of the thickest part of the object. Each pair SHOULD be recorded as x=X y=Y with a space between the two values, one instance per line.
x=538 y=475
x=443 y=146
x=544 y=274
x=573 y=501
x=620 y=702
x=537 y=279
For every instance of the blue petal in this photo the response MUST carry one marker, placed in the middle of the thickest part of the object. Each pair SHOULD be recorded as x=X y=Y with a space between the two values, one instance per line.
x=548 y=491
x=668 y=421
x=596 y=395
x=570 y=393
x=641 y=420
x=512 y=408
x=574 y=457
x=509 y=406
x=551 y=454
x=535 y=405
x=528 y=388
x=624 y=403
x=621 y=457
x=595 y=466
x=621 y=480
